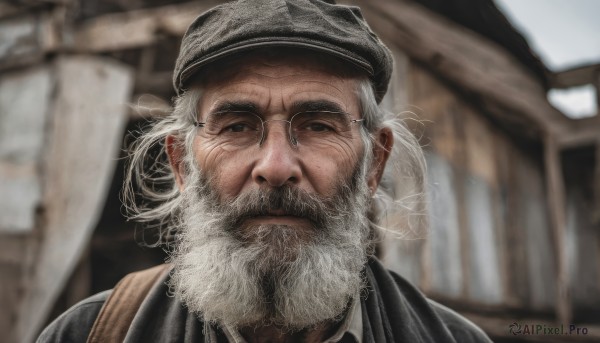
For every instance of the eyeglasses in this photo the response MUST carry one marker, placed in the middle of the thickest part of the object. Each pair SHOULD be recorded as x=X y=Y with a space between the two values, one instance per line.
x=244 y=129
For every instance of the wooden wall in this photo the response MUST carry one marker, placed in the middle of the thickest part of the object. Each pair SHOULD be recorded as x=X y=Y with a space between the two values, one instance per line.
x=583 y=231
x=61 y=122
x=490 y=244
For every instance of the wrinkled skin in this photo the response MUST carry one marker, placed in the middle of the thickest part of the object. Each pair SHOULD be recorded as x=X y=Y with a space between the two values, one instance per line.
x=274 y=84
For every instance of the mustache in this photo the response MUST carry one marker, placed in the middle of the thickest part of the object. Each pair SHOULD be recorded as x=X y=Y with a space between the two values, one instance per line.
x=321 y=211
x=284 y=200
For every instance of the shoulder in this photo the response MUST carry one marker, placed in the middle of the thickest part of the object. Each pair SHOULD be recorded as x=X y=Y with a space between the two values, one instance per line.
x=462 y=329
x=76 y=323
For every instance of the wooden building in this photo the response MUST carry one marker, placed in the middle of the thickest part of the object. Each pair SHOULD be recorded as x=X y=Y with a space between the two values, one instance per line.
x=514 y=185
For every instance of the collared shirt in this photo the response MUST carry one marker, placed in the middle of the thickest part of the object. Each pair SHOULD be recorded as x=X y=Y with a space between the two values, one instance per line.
x=351 y=329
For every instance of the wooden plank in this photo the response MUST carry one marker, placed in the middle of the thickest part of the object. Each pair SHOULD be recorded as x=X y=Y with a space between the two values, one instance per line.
x=21 y=195
x=18 y=7
x=485 y=279
x=24 y=99
x=516 y=221
x=27 y=38
x=7 y=9
x=582 y=238
x=479 y=145
x=500 y=208
x=22 y=124
x=596 y=192
x=432 y=102
x=15 y=254
x=86 y=133
x=540 y=262
x=469 y=60
x=556 y=207
x=584 y=132
x=444 y=248
x=136 y=29
x=573 y=77
x=587 y=130
x=510 y=252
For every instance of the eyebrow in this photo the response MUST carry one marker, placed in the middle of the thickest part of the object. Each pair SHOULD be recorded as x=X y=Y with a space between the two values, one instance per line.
x=235 y=106
x=319 y=105
x=315 y=106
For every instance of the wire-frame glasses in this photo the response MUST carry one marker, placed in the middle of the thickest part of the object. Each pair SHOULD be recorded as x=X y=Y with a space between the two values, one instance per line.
x=244 y=129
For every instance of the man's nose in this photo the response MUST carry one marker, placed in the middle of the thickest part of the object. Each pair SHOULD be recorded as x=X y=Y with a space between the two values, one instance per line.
x=278 y=162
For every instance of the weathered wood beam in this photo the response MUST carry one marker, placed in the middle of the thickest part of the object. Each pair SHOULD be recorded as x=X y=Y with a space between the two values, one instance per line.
x=585 y=131
x=555 y=189
x=582 y=132
x=136 y=29
x=18 y=7
x=578 y=76
x=29 y=37
x=8 y=9
x=596 y=192
x=465 y=58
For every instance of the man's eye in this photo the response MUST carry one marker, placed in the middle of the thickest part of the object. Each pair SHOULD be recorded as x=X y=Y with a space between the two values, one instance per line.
x=318 y=122
x=238 y=127
x=318 y=127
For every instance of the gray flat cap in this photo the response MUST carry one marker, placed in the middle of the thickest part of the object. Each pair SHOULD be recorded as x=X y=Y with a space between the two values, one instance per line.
x=317 y=25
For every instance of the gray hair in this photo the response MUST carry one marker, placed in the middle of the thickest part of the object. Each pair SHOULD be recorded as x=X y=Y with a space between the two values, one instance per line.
x=399 y=201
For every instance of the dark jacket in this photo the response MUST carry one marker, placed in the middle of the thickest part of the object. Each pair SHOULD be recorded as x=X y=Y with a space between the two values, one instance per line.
x=392 y=311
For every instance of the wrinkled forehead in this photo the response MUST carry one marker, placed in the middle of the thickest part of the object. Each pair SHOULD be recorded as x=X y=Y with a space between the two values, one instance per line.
x=279 y=63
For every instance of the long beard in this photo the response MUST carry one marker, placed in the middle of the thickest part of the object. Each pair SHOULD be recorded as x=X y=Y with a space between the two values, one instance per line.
x=271 y=274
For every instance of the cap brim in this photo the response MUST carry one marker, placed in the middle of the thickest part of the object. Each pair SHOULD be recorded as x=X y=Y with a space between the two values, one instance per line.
x=190 y=70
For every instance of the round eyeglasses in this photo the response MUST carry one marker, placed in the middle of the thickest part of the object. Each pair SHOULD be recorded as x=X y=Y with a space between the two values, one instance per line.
x=244 y=129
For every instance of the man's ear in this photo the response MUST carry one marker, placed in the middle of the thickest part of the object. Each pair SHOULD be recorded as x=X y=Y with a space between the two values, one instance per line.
x=175 y=153
x=382 y=148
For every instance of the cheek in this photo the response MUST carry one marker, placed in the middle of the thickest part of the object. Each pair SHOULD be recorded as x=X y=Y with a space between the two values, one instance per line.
x=224 y=168
x=328 y=167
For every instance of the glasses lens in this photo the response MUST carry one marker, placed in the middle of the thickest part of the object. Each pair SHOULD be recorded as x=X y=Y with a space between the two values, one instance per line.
x=320 y=127
x=234 y=128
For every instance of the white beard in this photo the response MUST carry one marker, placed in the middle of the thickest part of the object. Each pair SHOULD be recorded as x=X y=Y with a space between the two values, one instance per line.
x=272 y=276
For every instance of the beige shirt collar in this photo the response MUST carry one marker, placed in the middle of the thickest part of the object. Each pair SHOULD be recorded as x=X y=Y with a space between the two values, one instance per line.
x=352 y=325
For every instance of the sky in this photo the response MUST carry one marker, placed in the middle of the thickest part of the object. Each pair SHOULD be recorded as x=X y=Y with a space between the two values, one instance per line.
x=564 y=34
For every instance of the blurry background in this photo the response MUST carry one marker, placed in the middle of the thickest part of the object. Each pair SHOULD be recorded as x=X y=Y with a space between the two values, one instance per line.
x=512 y=142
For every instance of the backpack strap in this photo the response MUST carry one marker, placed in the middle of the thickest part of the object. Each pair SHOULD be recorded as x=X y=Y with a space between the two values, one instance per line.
x=118 y=311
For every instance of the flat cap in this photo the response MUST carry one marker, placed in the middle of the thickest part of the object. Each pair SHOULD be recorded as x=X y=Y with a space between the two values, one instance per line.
x=322 y=26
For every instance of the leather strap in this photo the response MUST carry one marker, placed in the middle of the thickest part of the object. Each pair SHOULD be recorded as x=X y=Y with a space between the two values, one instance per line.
x=118 y=311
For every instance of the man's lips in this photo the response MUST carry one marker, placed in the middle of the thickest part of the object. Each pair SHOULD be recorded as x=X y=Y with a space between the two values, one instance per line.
x=278 y=213
x=278 y=217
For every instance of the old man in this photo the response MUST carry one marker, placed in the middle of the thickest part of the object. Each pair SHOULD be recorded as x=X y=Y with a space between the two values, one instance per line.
x=276 y=148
